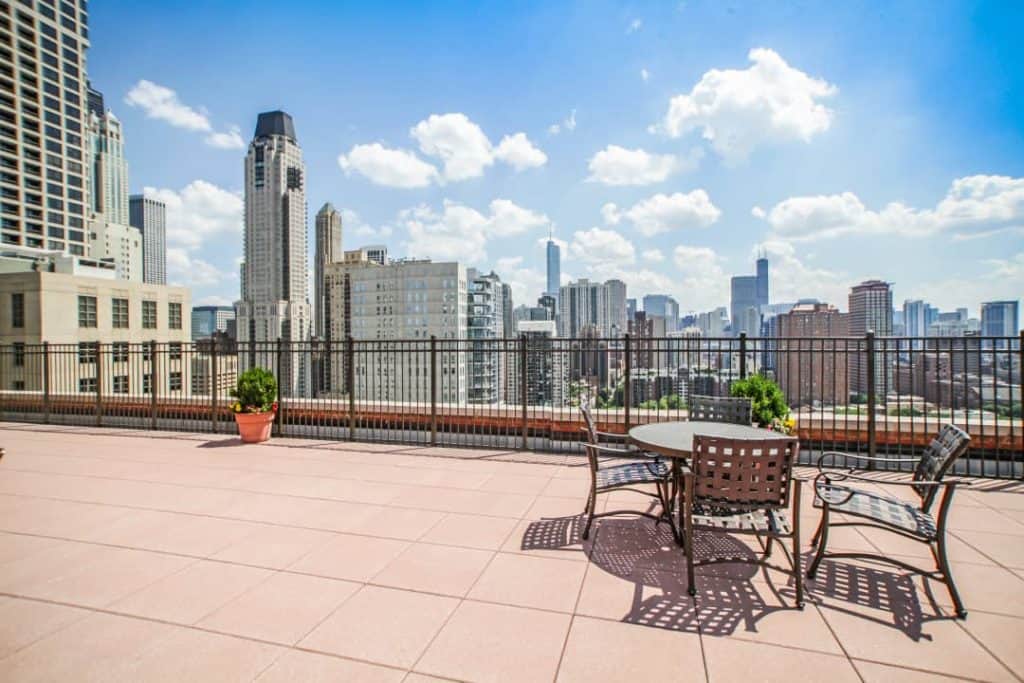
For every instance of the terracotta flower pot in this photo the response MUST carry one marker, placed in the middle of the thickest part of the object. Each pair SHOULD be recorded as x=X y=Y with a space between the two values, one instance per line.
x=254 y=427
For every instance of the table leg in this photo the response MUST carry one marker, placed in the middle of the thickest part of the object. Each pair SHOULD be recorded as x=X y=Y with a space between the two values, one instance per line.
x=677 y=482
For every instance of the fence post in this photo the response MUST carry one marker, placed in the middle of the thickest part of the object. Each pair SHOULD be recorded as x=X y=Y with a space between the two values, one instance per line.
x=213 y=383
x=743 y=355
x=278 y=419
x=869 y=345
x=433 y=390
x=46 y=382
x=523 y=391
x=1020 y=393
x=153 y=374
x=99 y=384
x=627 y=387
x=350 y=382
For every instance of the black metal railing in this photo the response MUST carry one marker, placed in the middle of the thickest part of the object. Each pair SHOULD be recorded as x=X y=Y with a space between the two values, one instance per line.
x=884 y=395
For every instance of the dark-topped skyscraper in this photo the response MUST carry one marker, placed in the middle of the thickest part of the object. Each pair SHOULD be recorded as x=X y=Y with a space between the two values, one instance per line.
x=275 y=304
x=762 y=282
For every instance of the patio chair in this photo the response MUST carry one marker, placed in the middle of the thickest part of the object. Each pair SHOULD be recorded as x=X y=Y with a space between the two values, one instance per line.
x=721 y=409
x=605 y=477
x=914 y=521
x=743 y=486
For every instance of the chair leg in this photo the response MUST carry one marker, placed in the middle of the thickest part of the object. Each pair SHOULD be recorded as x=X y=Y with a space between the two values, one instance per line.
x=589 y=511
x=817 y=532
x=768 y=547
x=688 y=542
x=947 y=575
x=822 y=541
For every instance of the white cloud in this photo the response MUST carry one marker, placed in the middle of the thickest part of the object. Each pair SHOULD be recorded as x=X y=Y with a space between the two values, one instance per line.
x=160 y=102
x=199 y=212
x=353 y=224
x=526 y=283
x=645 y=75
x=458 y=142
x=461 y=233
x=229 y=139
x=568 y=124
x=662 y=213
x=635 y=26
x=509 y=219
x=213 y=300
x=616 y=165
x=598 y=245
x=992 y=280
x=188 y=271
x=700 y=280
x=388 y=167
x=758 y=212
x=974 y=204
x=738 y=110
x=463 y=148
x=653 y=255
x=518 y=152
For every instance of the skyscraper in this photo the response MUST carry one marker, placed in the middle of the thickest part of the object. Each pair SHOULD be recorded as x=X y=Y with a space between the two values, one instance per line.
x=44 y=139
x=818 y=377
x=663 y=306
x=870 y=308
x=762 y=282
x=150 y=217
x=744 y=310
x=111 y=238
x=617 y=318
x=327 y=250
x=581 y=304
x=554 y=268
x=1000 y=319
x=276 y=304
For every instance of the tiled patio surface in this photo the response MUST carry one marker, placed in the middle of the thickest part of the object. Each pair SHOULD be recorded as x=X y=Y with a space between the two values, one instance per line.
x=135 y=556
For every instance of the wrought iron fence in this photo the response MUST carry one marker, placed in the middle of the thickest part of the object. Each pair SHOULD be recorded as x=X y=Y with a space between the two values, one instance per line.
x=877 y=395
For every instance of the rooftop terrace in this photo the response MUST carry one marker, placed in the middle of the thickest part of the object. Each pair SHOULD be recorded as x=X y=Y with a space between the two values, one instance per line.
x=132 y=555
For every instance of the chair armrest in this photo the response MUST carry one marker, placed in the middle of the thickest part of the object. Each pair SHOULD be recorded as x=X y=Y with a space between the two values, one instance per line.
x=839 y=476
x=832 y=454
x=613 y=436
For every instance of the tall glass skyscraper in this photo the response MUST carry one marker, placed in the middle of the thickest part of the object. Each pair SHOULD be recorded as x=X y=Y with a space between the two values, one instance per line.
x=554 y=269
x=762 y=282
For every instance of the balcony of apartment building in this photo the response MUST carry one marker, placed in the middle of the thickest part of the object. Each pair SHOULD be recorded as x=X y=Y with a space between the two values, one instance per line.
x=396 y=530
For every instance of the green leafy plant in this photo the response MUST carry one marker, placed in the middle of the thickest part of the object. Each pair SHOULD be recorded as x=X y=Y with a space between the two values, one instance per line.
x=768 y=402
x=256 y=392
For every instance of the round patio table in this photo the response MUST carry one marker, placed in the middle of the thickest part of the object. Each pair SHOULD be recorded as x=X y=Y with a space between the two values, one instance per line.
x=675 y=440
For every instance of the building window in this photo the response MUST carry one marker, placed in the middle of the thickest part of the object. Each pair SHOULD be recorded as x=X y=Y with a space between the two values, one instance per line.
x=174 y=351
x=174 y=316
x=119 y=310
x=87 y=311
x=119 y=352
x=121 y=384
x=87 y=385
x=19 y=354
x=17 y=309
x=88 y=351
x=149 y=315
x=174 y=381
x=19 y=385
x=147 y=383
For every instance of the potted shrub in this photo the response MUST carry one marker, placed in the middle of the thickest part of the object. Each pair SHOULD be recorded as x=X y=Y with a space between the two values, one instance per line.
x=255 y=404
x=769 y=408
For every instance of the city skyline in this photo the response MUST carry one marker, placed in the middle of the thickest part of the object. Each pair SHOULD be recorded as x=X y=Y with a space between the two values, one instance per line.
x=669 y=212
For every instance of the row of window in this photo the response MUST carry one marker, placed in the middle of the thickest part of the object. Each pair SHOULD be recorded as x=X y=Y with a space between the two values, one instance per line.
x=87 y=316
x=87 y=385
x=119 y=352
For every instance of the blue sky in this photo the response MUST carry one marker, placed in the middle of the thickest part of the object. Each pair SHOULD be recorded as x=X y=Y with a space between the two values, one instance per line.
x=664 y=143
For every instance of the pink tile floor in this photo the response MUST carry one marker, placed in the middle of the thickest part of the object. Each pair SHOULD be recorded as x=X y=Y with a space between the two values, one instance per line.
x=127 y=555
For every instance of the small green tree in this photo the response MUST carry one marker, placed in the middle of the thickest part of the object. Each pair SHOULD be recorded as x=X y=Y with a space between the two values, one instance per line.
x=256 y=391
x=766 y=397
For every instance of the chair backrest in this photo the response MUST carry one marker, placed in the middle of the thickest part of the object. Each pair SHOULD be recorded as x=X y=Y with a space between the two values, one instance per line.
x=949 y=444
x=588 y=420
x=740 y=475
x=721 y=409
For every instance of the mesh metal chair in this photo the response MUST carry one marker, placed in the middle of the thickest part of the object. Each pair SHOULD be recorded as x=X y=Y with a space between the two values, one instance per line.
x=606 y=477
x=721 y=409
x=914 y=521
x=743 y=486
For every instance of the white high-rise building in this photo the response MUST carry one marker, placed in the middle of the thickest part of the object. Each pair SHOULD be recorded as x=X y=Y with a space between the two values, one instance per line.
x=485 y=328
x=387 y=305
x=111 y=237
x=583 y=304
x=617 y=319
x=327 y=250
x=275 y=304
x=43 y=153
